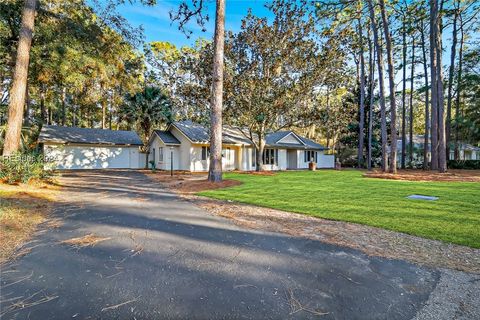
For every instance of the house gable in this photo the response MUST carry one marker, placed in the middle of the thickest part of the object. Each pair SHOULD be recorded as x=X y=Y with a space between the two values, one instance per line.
x=291 y=138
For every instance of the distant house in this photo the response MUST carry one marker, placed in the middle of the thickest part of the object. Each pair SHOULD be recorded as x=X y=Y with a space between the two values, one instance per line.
x=185 y=146
x=84 y=148
x=466 y=151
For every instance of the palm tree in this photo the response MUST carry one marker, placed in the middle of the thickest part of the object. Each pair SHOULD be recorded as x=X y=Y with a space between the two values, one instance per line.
x=146 y=109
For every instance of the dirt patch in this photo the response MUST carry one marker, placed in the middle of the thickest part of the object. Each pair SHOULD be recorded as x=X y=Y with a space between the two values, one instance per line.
x=191 y=183
x=420 y=175
x=22 y=209
x=88 y=240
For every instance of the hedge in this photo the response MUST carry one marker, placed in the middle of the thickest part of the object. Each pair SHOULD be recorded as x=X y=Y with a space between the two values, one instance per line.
x=464 y=164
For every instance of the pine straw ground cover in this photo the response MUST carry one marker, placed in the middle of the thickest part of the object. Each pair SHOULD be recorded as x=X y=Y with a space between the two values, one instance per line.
x=22 y=208
x=421 y=175
x=348 y=196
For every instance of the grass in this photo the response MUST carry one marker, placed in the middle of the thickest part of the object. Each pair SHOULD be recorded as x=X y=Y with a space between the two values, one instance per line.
x=22 y=209
x=348 y=196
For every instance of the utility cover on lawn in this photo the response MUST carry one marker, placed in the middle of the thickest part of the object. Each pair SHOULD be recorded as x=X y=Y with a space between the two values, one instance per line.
x=420 y=197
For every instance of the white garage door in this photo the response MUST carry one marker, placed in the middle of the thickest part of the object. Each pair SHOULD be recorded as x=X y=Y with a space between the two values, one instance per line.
x=91 y=157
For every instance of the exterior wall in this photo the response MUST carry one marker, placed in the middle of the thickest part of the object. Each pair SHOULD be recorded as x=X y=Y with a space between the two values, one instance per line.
x=281 y=162
x=185 y=150
x=282 y=159
x=92 y=156
x=197 y=163
x=167 y=155
x=290 y=139
x=301 y=164
x=247 y=161
x=325 y=160
x=231 y=158
x=230 y=155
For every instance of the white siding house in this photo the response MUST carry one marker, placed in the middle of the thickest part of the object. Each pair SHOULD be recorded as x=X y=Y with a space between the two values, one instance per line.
x=188 y=143
x=465 y=151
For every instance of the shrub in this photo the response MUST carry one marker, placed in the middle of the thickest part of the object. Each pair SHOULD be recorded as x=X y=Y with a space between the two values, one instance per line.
x=152 y=165
x=23 y=168
x=464 y=164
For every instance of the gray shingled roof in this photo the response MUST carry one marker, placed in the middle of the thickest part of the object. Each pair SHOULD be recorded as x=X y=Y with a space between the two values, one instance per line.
x=199 y=134
x=272 y=140
x=58 y=134
x=167 y=137
x=194 y=131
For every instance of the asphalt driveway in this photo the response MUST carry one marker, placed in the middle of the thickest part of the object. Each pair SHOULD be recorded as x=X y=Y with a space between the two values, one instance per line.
x=165 y=258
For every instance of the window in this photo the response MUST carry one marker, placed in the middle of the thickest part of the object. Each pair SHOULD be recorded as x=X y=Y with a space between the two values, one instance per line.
x=254 y=157
x=153 y=154
x=205 y=153
x=160 y=154
x=309 y=155
x=226 y=154
x=270 y=156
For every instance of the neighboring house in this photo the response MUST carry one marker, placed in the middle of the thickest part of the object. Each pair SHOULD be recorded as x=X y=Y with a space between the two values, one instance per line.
x=187 y=143
x=82 y=148
x=466 y=151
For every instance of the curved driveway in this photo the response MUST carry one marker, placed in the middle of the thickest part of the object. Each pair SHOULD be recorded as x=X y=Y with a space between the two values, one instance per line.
x=165 y=258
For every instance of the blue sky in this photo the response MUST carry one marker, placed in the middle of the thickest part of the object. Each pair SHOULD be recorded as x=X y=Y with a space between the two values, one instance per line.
x=158 y=26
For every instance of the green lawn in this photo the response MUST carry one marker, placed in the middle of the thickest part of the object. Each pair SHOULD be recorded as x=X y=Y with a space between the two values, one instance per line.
x=347 y=196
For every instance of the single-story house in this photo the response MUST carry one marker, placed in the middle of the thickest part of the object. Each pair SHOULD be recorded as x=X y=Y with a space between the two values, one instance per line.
x=85 y=148
x=466 y=151
x=185 y=146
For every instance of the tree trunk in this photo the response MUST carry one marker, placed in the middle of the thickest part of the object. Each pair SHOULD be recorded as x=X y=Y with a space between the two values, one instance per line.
x=427 y=113
x=459 y=92
x=362 y=98
x=104 y=114
x=261 y=147
x=442 y=152
x=64 y=106
x=404 y=88
x=215 y=170
x=50 y=115
x=391 y=80
x=381 y=86
x=434 y=85
x=20 y=76
x=26 y=115
x=43 y=111
x=410 y=118
x=451 y=71
x=370 y=111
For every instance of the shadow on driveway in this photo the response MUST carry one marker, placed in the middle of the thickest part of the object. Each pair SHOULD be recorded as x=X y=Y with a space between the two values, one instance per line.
x=167 y=259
